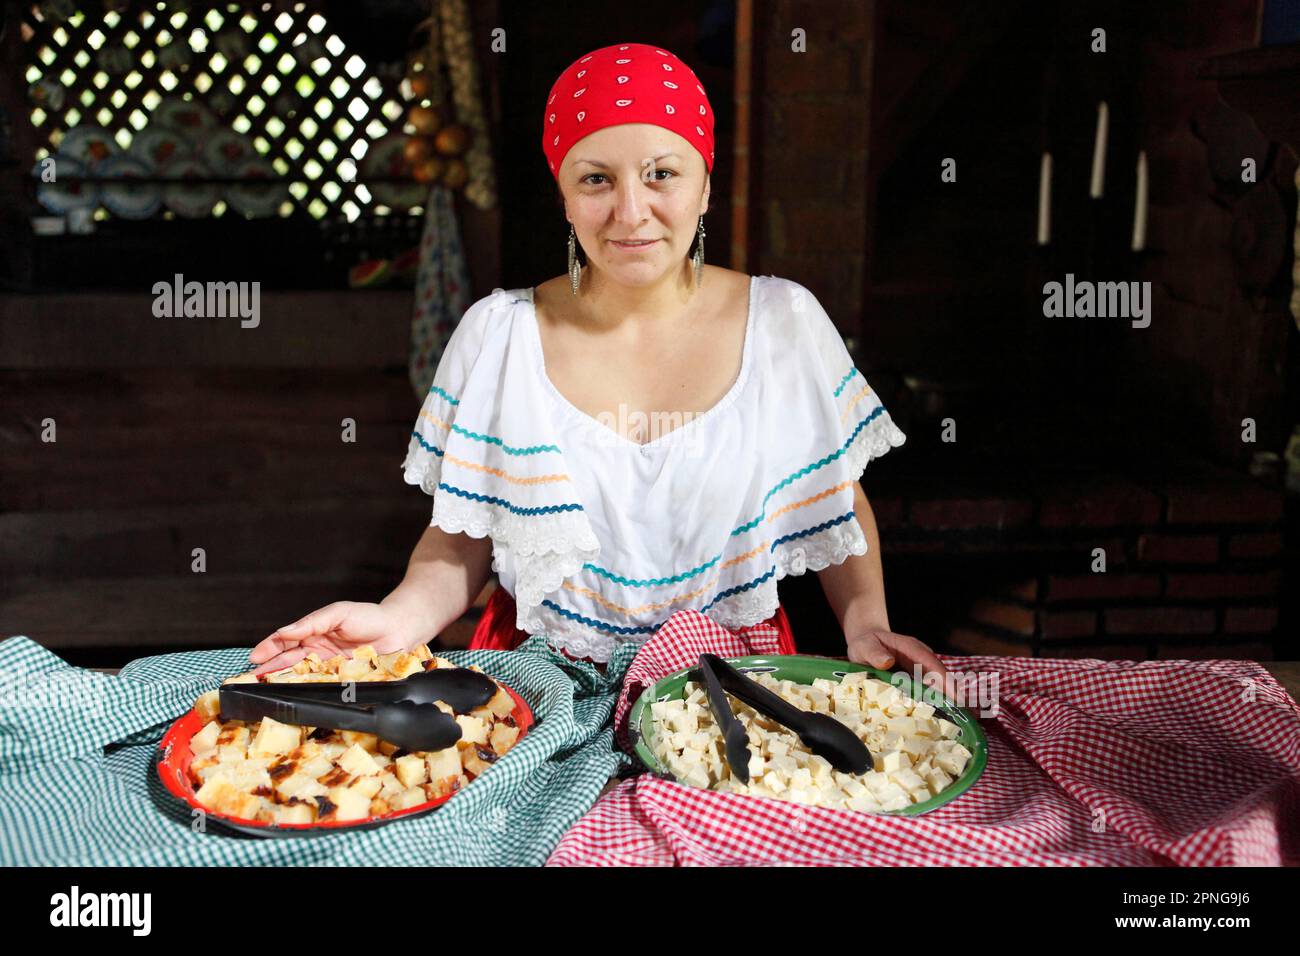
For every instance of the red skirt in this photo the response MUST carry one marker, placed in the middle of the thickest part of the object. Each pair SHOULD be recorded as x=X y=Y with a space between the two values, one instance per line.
x=496 y=629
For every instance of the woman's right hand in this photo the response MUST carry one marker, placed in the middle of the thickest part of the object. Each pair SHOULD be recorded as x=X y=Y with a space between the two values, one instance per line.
x=337 y=628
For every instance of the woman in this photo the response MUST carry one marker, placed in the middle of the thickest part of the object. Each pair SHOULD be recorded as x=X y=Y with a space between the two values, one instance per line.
x=642 y=435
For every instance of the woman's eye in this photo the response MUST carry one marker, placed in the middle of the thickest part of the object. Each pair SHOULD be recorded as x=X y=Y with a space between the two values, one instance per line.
x=591 y=178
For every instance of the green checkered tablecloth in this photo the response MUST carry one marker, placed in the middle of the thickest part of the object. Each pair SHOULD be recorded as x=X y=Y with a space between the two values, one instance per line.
x=78 y=784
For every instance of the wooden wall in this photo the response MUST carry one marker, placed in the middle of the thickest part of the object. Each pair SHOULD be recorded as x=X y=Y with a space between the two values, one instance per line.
x=176 y=434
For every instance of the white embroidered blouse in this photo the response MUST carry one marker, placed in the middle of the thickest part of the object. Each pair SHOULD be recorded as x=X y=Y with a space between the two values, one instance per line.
x=600 y=539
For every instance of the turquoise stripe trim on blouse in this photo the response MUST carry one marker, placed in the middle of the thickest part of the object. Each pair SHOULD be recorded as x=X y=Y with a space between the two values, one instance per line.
x=845 y=380
x=652 y=582
x=508 y=449
x=437 y=391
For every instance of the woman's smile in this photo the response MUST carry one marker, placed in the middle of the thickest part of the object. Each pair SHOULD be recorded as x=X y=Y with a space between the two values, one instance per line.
x=631 y=246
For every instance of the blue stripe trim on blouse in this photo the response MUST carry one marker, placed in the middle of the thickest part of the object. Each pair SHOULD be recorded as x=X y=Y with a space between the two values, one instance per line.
x=813 y=530
x=513 y=509
x=748 y=586
x=748 y=526
x=845 y=380
x=598 y=625
x=751 y=525
x=426 y=446
x=722 y=595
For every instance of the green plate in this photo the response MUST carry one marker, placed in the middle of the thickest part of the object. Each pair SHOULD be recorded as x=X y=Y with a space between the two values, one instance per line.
x=804 y=669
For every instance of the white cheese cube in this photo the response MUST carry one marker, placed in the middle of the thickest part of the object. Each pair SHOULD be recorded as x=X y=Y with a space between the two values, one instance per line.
x=938 y=780
x=875 y=780
x=443 y=764
x=863 y=802
x=356 y=760
x=903 y=726
x=926 y=726
x=299 y=785
x=412 y=770
x=916 y=745
x=951 y=763
x=697 y=776
x=410 y=797
x=274 y=737
x=821 y=769
x=208 y=706
x=205 y=741
x=351 y=804
x=896 y=760
x=354 y=670
x=472 y=729
x=908 y=780
x=368 y=742
x=368 y=785
x=293 y=813
x=897 y=799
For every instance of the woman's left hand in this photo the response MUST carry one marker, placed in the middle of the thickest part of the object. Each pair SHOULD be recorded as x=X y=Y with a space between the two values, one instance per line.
x=886 y=650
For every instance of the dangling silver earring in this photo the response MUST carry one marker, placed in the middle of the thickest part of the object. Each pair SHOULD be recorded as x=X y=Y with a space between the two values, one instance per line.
x=575 y=270
x=699 y=253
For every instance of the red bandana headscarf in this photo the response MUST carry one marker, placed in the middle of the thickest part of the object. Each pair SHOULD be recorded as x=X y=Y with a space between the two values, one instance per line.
x=626 y=83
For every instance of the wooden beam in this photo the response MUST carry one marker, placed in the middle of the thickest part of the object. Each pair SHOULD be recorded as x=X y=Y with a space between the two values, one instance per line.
x=368 y=329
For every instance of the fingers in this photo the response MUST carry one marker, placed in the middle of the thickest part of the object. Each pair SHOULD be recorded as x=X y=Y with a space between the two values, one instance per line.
x=914 y=652
x=885 y=650
x=317 y=622
x=286 y=659
x=870 y=650
x=271 y=646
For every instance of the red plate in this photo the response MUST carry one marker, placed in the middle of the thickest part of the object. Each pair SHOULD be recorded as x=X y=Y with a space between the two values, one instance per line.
x=174 y=757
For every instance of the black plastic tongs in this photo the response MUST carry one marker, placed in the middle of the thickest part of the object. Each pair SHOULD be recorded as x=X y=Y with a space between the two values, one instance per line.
x=820 y=733
x=401 y=712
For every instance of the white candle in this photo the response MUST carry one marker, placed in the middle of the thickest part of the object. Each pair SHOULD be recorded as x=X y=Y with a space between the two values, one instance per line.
x=1045 y=200
x=1099 y=153
x=1140 y=205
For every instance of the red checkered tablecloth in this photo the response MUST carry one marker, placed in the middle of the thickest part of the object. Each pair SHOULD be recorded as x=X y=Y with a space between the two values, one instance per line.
x=1091 y=763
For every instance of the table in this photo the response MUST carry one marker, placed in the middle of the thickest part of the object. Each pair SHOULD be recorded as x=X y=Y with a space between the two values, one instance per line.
x=1286 y=673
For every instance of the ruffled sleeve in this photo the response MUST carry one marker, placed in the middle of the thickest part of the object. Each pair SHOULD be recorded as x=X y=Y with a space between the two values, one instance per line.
x=490 y=458
x=861 y=423
x=822 y=424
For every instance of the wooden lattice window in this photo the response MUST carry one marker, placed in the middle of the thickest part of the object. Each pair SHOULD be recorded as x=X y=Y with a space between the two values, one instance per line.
x=276 y=76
